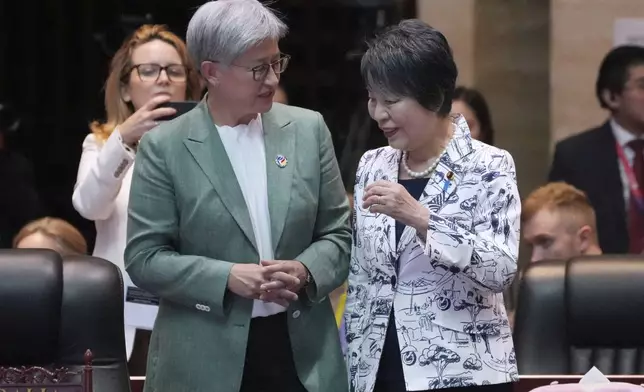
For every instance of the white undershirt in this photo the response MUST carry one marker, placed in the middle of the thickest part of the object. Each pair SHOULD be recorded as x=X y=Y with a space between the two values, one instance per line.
x=244 y=145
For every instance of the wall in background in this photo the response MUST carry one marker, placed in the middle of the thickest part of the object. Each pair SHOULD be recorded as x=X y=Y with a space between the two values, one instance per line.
x=455 y=19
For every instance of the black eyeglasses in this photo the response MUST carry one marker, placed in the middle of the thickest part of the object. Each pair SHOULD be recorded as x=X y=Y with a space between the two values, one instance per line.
x=261 y=71
x=177 y=73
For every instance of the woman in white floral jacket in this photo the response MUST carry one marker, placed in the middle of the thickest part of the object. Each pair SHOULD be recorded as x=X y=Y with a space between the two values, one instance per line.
x=436 y=229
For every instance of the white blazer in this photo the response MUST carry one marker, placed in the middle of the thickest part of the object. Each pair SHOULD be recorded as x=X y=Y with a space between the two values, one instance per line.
x=447 y=296
x=101 y=194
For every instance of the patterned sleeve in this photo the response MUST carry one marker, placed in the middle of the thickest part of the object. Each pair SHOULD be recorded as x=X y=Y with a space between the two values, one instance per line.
x=486 y=252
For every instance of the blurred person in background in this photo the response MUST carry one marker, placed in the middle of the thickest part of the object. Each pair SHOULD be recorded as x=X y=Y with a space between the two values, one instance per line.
x=51 y=233
x=559 y=223
x=472 y=105
x=607 y=162
x=239 y=222
x=19 y=199
x=150 y=68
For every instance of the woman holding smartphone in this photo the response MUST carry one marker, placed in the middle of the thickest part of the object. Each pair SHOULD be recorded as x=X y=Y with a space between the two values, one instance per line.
x=151 y=68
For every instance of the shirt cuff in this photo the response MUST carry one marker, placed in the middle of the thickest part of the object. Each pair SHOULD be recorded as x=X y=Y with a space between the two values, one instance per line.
x=129 y=150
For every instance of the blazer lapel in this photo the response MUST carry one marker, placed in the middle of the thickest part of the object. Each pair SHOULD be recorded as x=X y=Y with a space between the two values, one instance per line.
x=279 y=144
x=205 y=146
x=444 y=181
x=389 y=172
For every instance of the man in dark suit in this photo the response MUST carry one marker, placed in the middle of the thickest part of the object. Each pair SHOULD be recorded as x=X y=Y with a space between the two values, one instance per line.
x=607 y=162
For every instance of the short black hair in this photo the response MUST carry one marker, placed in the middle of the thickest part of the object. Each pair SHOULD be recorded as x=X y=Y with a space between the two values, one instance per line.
x=412 y=60
x=476 y=101
x=614 y=70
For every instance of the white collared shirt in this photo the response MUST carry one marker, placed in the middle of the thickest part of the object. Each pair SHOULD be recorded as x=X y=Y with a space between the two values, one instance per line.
x=623 y=137
x=244 y=145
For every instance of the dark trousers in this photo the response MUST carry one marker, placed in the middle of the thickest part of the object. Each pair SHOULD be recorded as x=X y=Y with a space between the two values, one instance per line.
x=139 y=358
x=269 y=365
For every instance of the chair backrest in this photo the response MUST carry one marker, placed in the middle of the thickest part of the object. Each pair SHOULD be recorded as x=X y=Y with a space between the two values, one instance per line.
x=579 y=313
x=53 y=310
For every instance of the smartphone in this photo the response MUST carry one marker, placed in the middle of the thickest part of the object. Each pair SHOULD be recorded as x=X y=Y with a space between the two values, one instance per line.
x=182 y=107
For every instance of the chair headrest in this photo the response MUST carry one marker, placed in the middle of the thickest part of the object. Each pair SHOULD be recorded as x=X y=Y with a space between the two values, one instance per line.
x=53 y=310
x=92 y=311
x=31 y=291
x=604 y=295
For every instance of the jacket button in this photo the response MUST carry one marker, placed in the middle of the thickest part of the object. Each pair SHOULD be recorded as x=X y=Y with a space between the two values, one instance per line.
x=296 y=314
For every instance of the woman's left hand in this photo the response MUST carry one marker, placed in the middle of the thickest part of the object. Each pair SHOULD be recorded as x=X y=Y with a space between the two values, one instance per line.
x=393 y=200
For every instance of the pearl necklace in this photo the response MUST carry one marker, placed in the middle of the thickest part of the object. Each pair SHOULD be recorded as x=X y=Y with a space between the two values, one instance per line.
x=424 y=173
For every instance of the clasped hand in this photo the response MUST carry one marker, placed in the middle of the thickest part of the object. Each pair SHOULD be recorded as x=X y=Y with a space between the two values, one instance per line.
x=276 y=281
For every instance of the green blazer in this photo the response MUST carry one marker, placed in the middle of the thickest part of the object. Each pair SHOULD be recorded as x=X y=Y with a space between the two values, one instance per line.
x=188 y=224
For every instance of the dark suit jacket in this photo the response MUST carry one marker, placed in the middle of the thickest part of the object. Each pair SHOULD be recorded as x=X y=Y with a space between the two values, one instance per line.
x=589 y=162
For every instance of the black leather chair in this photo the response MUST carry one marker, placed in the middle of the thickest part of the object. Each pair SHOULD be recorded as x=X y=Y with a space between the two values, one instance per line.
x=576 y=314
x=53 y=310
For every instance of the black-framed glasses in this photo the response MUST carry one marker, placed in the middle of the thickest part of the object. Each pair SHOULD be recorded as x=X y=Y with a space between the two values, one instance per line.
x=177 y=73
x=261 y=71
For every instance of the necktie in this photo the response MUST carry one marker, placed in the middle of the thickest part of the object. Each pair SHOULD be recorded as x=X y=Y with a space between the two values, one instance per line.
x=635 y=212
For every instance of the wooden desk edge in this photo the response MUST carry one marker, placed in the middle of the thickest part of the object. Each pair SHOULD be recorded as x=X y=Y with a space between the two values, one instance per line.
x=575 y=377
x=526 y=382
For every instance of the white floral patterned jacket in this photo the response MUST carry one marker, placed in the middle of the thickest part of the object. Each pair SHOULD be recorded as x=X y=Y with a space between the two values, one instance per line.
x=447 y=296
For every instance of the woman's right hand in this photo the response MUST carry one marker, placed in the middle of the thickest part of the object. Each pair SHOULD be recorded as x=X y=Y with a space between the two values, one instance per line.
x=143 y=120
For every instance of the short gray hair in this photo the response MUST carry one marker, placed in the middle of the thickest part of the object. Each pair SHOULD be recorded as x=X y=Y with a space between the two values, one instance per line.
x=223 y=30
